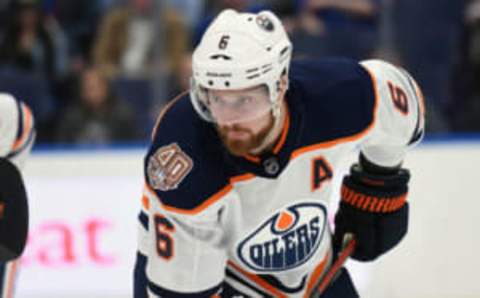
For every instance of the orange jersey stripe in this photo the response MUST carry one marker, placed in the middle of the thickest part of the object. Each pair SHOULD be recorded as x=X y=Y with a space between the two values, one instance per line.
x=283 y=137
x=351 y=138
x=280 y=143
x=217 y=196
x=241 y=178
x=210 y=201
x=9 y=282
x=276 y=149
x=317 y=274
x=252 y=158
x=257 y=280
x=329 y=144
x=27 y=127
x=164 y=111
x=421 y=99
x=145 y=202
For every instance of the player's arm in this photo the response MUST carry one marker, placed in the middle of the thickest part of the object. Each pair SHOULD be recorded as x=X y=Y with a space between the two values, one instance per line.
x=140 y=281
x=13 y=212
x=373 y=196
x=179 y=258
x=16 y=139
x=180 y=250
x=17 y=129
x=400 y=121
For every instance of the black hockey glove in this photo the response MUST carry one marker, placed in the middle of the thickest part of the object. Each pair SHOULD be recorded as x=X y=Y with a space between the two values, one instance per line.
x=13 y=212
x=373 y=207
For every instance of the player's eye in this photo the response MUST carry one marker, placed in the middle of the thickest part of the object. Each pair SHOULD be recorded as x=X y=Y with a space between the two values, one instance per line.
x=215 y=100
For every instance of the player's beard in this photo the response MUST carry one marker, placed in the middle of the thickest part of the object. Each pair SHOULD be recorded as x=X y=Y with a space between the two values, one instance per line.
x=241 y=147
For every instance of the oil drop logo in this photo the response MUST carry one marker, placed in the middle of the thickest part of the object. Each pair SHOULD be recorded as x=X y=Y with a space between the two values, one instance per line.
x=286 y=240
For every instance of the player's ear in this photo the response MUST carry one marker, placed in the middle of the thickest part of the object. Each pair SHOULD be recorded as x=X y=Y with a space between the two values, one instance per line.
x=284 y=81
x=283 y=85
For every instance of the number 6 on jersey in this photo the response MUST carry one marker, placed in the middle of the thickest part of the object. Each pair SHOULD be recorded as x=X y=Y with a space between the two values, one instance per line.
x=164 y=241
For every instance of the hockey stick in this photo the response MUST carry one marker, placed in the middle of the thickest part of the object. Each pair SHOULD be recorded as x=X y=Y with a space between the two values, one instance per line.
x=347 y=250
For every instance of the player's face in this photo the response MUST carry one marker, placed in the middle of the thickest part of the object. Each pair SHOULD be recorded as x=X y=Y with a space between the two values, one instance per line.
x=242 y=138
x=243 y=117
x=230 y=107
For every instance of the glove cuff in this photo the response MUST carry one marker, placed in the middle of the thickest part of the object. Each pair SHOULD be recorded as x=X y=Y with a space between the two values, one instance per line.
x=371 y=203
x=375 y=189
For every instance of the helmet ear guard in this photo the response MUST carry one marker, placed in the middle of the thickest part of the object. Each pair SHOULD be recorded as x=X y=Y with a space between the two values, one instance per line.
x=238 y=51
x=199 y=101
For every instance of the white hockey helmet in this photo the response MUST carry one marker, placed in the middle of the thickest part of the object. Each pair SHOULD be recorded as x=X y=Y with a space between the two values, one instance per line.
x=238 y=51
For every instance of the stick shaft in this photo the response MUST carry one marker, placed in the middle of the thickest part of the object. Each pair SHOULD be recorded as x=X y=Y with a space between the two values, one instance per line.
x=347 y=251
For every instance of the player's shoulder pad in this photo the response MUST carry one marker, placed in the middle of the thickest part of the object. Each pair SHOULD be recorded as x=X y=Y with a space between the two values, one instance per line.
x=17 y=128
x=337 y=96
x=406 y=98
x=184 y=164
x=8 y=104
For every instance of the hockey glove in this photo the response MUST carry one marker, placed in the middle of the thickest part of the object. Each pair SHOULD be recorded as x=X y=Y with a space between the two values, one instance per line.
x=13 y=212
x=373 y=207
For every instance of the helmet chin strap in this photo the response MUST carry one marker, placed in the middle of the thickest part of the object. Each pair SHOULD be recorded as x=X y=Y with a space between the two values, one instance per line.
x=278 y=117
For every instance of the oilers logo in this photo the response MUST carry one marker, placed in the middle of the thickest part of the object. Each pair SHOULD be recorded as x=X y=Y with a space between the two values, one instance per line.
x=286 y=240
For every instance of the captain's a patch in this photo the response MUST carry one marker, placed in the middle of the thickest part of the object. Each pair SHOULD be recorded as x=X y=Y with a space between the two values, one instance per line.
x=167 y=167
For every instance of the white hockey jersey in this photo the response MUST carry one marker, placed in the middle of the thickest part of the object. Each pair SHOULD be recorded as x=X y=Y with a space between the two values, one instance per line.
x=17 y=132
x=259 y=223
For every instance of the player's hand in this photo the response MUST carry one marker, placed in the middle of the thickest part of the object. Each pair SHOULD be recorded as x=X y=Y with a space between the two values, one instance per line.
x=373 y=208
x=375 y=233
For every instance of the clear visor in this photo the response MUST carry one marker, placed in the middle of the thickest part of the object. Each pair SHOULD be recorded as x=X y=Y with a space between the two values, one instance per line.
x=228 y=107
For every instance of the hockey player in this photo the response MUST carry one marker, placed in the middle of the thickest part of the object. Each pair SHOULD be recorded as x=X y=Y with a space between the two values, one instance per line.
x=239 y=171
x=17 y=135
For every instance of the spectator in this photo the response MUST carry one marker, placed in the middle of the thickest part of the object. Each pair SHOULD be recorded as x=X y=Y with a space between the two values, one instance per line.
x=125 y=41
x=427 y=37
x=319 y=28
x=79 y=20
x=98 y=117
x=189 y=10
x=464 y=111
x=215 y=6
x=180 y=80
x=34 y=42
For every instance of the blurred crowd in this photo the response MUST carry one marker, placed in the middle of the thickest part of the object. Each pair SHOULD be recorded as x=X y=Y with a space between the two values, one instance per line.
x=98 y=71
